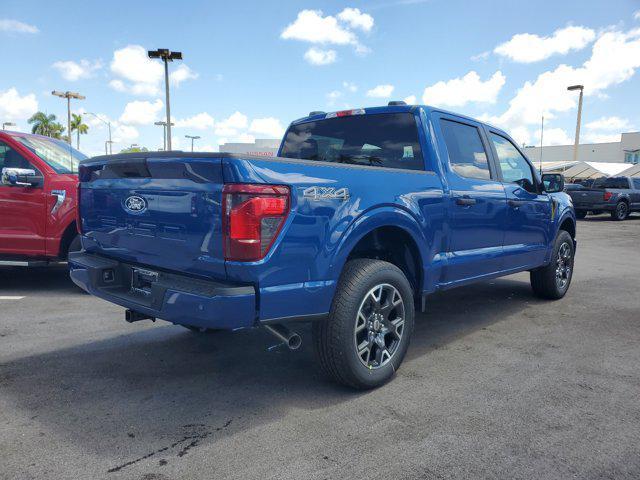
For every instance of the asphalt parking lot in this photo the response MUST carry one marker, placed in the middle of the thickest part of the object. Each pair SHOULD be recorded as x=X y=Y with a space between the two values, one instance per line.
x=496 y=384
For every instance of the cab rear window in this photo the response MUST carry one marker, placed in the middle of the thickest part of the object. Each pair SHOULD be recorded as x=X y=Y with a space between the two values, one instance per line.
x=378 y=140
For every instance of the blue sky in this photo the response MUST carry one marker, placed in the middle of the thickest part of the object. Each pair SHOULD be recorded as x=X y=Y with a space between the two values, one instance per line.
x=251 y=67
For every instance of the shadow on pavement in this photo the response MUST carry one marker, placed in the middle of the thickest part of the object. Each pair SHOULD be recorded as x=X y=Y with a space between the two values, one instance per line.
x=162 y=389
x=51 y=280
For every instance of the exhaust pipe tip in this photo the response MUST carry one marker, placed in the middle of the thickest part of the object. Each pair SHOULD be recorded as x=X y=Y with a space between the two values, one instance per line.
x=295 y=341
x=292 y=340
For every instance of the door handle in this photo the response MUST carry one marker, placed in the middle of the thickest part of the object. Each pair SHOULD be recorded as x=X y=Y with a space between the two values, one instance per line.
x=516 y=203
x=465 y=201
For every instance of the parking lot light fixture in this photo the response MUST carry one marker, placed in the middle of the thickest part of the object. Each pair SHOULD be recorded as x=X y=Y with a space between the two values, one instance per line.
x=192 y=137
x=573 y=88
x=164 y=133
x=108 y=123
x=68 y=96
x=166 y=56
x=7 y=124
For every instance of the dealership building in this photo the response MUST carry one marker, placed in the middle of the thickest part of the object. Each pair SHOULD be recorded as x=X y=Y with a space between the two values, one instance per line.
x=627 y=150
x=264 y=147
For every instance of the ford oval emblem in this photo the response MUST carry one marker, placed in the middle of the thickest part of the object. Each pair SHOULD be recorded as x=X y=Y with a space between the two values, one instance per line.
x=135 y=204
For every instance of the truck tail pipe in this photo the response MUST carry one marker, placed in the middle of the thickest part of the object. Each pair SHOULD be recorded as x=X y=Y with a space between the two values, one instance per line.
x=291 y=339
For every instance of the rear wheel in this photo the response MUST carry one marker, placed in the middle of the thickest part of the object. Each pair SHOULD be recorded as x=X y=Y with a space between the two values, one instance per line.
x=552 y=281
x=581 y=214
x=621 y=212
x=366 y=336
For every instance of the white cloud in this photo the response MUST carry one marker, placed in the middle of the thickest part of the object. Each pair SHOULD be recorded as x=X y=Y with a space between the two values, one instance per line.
x=14 y=26
x=333 y=96
x=554 y=136
x=350 y=86
x=230 y=126
x=356 y=19
x=314 y=27
x=180 y=74
x=481 y=56
x=609 y=123
x=636 y=15
x=140 y=75
x=74 y=71
x=141 y=112
x=311 y=26
x=460 y=91
x=381 y=91
x=318 y=56
x=269 y=126
x=599 y=137
x=615 y=56
x=13 y=106
x=125 y=133
x=529 y=48
x=410 y=100
x=200 y=121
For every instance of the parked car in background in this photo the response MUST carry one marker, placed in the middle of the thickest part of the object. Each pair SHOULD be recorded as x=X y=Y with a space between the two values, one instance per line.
x=362 y=215
x=38 y=188
x=618 y=195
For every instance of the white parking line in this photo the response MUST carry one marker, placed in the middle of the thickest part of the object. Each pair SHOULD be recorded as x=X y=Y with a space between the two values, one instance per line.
x=11 y=298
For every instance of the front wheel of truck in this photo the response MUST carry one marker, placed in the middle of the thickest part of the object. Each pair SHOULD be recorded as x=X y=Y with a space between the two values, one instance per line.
x=366 y=336
x=552 y=281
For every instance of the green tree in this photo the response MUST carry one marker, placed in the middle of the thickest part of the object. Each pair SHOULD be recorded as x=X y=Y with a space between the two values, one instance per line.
x=134 y=149
x=43 y=124
x=79 y=127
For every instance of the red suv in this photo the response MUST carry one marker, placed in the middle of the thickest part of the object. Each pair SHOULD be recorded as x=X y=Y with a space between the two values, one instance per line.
x=38 y=190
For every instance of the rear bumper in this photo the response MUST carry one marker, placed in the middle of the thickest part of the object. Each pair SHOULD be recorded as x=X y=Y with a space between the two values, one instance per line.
x=179 y=299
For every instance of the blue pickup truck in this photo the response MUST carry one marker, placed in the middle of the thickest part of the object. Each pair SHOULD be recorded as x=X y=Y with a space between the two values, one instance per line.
x=358 y=219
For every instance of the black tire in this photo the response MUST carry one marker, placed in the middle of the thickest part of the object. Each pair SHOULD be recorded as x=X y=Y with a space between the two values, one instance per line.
x=75 y=245
x=621 y=212
x=580 y=214
x=335 y=338
x=545 y=281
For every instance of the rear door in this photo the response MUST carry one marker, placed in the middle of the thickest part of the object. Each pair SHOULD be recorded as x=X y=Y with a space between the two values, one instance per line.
x=528 y=229
x=477 y=203
x=22 y=210
x=162 y=211
x=635 y=193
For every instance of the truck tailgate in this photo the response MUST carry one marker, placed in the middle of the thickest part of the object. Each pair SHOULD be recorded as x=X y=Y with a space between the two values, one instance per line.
x=586 y=198
x=161 y=211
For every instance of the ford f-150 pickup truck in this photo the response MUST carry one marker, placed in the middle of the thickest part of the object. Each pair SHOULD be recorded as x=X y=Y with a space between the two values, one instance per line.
x=38 y=183
x=362 y=215
x=617 y=195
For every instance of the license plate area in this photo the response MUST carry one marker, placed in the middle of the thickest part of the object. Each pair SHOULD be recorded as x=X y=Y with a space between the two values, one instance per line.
x=142 y=281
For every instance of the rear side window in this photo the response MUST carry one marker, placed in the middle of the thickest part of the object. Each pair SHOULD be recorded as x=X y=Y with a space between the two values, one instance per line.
x=620 y=183
x=467 y=155
x=636 y=183
x=379 y=140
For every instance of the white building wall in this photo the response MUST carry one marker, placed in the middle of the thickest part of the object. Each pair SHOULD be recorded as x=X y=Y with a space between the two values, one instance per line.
x=267 y=147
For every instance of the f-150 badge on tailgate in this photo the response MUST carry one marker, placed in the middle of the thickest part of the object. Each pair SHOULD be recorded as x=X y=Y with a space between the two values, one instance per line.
x=319 y=193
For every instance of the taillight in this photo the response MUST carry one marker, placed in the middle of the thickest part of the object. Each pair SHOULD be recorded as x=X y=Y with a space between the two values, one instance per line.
x=78 y=217
x=607 y=196
x=253 y=216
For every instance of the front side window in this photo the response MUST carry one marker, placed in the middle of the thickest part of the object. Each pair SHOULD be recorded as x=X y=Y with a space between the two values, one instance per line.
x=467 y=155
x=59 y=155
x=514 y=167
x=379 y=140
x=9 y=158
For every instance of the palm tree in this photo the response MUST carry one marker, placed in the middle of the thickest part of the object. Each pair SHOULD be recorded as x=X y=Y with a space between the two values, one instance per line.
x=44 y=124
x=79 y=127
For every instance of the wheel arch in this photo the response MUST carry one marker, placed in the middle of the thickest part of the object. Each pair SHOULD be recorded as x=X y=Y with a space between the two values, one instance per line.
x=68 y=235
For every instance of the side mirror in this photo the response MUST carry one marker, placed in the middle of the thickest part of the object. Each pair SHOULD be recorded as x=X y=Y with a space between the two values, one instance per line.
x=20 y=177
x=553 y=182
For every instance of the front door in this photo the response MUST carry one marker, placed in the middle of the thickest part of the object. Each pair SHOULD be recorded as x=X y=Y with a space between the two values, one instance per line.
x=527 y=236
x=477 y=203
x=22 y=211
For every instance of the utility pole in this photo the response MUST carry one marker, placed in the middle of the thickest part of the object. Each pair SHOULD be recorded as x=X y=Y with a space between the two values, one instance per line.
x=577 y=140
x=108 y=123
x=167 y=56
x=68 y=96
x=164 y=133
x=196 y=137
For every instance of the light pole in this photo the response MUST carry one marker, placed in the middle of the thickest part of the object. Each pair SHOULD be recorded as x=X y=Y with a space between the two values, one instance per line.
x=164 y=133
x=167 y=56
x=8 y=124
x=108 y=123
x=68 y=96
x=577 y=140
x=196 y=137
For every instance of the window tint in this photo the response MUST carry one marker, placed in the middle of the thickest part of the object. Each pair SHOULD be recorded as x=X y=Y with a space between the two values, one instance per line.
x=620 y=183
x=379 y=140
x=636 y=183
x=9 y=158
x=59 y=155
x=514 y=167
x=467 y=156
